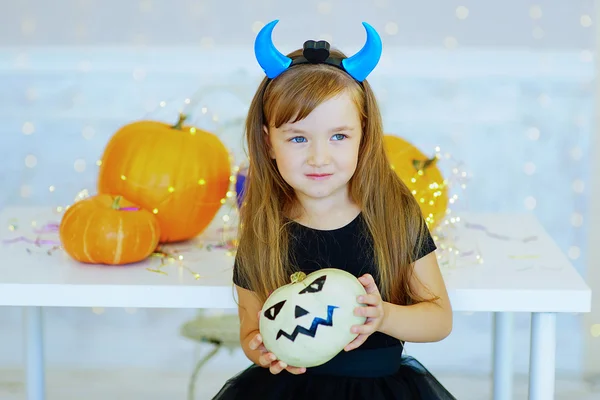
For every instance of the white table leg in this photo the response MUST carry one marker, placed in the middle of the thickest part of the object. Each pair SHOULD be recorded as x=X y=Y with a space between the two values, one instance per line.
x=503 y=356
x=34 y=353
x=542 y=360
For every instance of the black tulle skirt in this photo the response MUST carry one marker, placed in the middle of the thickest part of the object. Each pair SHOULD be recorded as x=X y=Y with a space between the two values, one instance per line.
x=377 y=374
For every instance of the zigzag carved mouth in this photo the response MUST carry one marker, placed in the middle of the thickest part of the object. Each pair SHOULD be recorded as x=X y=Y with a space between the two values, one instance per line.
x=312 y=331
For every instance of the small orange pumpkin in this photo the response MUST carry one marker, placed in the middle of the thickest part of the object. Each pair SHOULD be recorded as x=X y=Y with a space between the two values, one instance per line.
x=422 y=176
x=103 y=229
x=179 y=172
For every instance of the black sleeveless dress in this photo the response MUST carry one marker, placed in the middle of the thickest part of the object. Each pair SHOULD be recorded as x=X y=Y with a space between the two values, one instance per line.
x=377 y=370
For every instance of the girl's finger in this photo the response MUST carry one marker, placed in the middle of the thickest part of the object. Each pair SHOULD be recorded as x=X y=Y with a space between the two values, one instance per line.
x=369 y=283
x=277 y=367
x=360 y=339
x=372 y=312
x=266 y=359
x=263 y=361
x=371 y=299
x=365 y=329
x=255 y=342
x=295 y=370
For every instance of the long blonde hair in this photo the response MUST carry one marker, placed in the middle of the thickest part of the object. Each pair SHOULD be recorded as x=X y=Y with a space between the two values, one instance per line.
x=391 y=213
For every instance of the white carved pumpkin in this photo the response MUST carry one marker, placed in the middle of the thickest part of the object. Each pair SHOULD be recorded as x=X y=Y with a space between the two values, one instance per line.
x=307 y=322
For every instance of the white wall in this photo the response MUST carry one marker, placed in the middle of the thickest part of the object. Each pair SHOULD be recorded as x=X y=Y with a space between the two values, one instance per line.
x=508 y=23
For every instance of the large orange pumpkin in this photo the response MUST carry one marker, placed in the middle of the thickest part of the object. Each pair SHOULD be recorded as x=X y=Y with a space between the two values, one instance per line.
x=422 y=176
x=108 y=230
x=180 y=173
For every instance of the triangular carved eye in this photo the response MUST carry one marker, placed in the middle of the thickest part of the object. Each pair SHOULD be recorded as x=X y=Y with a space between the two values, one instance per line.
x=315 y=286
x=300 y=312
x=271 y=312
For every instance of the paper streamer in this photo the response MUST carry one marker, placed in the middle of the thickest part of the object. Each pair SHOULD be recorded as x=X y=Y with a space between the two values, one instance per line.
x=483 y=228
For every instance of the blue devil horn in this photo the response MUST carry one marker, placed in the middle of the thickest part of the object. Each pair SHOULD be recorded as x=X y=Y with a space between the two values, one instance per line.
x=362 y=63
x=268 y=57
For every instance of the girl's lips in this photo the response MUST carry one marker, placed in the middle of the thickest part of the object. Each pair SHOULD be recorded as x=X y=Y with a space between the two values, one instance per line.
x=318 y=176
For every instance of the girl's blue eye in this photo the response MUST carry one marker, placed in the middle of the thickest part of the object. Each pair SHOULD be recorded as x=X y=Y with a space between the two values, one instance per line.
x=299 y=138
x=339 y=136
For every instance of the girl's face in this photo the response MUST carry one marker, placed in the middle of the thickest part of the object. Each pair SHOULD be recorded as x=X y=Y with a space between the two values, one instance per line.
x=318 y=155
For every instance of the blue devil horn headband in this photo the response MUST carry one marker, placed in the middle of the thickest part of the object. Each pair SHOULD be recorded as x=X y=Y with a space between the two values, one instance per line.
x=359 y=66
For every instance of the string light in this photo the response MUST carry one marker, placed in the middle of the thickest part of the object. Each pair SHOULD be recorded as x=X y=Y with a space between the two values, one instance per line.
x=80 y=30
x=139 y=74
x=207 y=42
x=544 y=100
x=28 y=128
x=530 y=202
x=585 y=21
x=535 y=12
x=146 y=6
x=574 y=252
x=529 y=168
x=462 y=12
x=31 y=94
x=30 y=161
x=197 y=9
x=576 y=219
x=257 y=26
x=537 y=33
x=450 y=42
x=79 y=165
x=28 y=26
x=85 y=66
x=578 y=186
x=443 y=235
x=533 y=133
x=576 y=153
x=324 y=7
x=391 y=28
x=26 y=191
x=139 y=39
x=88 y=132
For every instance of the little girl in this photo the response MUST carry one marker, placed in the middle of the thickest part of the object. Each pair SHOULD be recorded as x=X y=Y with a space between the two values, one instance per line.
x=320 y=192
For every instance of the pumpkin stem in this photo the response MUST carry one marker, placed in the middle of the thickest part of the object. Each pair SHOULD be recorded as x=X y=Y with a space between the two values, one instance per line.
x=297 y=277
x=421 y=165
x=115 y=204
x=180 y=121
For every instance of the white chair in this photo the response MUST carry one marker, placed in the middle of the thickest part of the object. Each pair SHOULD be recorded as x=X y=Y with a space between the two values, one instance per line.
x=222 y=330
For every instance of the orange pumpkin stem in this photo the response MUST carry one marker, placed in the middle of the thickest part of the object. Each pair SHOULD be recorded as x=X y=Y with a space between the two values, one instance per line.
x=420 y=165
x=179 y=124
x=115 y=204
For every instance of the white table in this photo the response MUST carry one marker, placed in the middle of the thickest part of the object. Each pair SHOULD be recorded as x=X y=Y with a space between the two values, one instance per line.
x=517 y=275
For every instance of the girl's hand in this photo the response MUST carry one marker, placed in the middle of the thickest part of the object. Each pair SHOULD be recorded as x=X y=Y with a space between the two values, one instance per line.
x=373 y=311
x=269 y=359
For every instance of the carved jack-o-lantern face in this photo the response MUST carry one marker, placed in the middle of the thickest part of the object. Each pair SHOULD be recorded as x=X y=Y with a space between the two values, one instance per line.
x=307 y=322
